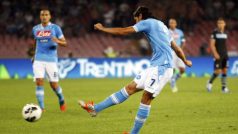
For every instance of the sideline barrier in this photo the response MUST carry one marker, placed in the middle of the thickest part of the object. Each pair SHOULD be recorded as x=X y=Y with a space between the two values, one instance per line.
x=106 y=68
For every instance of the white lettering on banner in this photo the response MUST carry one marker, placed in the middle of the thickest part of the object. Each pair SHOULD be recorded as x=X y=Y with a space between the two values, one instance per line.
x=113 y=69
x=234 y=69
x=65 y=66
x=82 y=62
x=86 y=68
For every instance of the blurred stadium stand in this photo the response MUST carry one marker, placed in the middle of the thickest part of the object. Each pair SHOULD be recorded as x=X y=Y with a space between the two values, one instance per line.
x=76 y=17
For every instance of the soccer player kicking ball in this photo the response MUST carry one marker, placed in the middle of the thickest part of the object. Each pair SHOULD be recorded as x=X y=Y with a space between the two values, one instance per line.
x=153 y=79
x=47 y=37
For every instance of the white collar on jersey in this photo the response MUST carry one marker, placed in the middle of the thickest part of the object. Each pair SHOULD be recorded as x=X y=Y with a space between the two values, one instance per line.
x=47 y=24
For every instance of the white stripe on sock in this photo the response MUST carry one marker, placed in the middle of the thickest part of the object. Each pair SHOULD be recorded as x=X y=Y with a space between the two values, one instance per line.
x=39 y=92
x=114 y=99
x=144 y=106
x=59 y=90
x=140 y=119
x=124 y=92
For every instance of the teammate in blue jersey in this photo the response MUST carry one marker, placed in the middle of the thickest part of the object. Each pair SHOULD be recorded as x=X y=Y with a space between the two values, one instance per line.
x=47 y=37
x=179 y=66
x=153 y=79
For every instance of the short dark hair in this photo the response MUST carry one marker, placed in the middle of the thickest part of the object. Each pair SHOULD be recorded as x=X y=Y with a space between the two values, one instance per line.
x=144 y=11
x=220 y=19
x=45 y=9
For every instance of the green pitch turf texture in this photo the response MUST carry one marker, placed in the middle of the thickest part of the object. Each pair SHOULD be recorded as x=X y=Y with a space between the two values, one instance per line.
x=190 y=111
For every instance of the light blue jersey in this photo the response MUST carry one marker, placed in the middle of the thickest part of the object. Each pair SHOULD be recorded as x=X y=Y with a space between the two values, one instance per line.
x=178 y=36
x=159 y=38
x=46 y=49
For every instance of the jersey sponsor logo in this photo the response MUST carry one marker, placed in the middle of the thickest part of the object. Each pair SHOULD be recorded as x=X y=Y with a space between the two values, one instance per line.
x=221 y=36
x=44 y=41
x=175 y=35
x=45 y=33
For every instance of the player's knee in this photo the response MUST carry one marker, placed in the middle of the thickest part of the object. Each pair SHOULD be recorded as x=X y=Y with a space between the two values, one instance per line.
x=182 y=70
x=147 y=98
x=224 y=71
x=131 y=89
x=54 y=85
x=39 y=82
x=217 y=71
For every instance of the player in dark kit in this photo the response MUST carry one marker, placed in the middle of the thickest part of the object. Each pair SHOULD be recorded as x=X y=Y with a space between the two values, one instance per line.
x=219 y=51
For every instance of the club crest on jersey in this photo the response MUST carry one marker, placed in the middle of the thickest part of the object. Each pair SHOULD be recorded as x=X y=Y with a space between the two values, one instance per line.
x=45 y=33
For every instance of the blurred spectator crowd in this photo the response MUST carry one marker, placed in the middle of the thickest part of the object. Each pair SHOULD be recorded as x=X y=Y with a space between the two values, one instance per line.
x=76 y=17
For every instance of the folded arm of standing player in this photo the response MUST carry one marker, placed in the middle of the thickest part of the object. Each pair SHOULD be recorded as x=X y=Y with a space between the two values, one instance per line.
x=59 y=39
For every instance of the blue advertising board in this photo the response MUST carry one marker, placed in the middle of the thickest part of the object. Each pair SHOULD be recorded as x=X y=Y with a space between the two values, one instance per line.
x=106 y=68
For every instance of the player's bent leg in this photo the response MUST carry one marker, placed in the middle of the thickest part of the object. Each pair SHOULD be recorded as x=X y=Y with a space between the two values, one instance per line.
x=143 y=112
x=58 y=91
x=173 y=81
x=175 y=78
x=210 y=81
x=40 y=92
x=113 y=99
x=153 y=87
x=131 y=88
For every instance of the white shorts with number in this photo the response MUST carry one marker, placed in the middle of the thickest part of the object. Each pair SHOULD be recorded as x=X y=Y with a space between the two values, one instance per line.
x=41 y=68
x=153 y=79
x=178 y=63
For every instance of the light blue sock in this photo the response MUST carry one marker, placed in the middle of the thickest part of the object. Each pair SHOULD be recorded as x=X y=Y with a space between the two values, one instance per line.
x=174 y=78
x=40 y=96
x=141 y=117
x=59 y=93
x=177 y=76
x=113 y=99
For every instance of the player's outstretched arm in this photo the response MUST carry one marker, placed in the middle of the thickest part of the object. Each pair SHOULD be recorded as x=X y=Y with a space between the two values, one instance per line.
x=115 y=31
x=61 y=41
x=180 y=54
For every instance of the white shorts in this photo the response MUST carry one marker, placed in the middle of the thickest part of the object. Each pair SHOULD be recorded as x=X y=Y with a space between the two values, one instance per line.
x=40 y=68
x=178 y=63
x=153 y=79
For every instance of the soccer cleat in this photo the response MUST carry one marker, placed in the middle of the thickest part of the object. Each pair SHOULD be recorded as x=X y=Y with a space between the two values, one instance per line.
x=175 y=89
x=209 y=86
x=43 y=110
x=225 y=90
x=89 y=107
x=62 y=106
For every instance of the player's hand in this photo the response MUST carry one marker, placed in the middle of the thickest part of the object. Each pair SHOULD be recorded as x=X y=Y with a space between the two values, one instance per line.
x=217 y=56
x=98 y=26
x=188 y=63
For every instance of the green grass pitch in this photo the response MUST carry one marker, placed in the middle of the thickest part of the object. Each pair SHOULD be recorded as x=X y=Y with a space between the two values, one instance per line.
x=190 y=111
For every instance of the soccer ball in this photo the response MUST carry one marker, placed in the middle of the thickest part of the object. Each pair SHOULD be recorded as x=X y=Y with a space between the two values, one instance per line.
x=31 y=112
